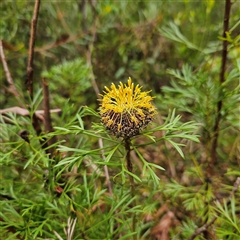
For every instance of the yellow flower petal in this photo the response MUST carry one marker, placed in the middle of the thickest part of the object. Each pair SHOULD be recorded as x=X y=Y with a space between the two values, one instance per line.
x=125 y=110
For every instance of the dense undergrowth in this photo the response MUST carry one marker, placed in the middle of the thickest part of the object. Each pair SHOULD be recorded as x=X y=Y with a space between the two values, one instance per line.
x=64 y=176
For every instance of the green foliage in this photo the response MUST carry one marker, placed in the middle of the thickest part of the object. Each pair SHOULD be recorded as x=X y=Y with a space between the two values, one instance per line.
x=173 y=49
x=228 y=220
x=71 y=78
x=79 y=194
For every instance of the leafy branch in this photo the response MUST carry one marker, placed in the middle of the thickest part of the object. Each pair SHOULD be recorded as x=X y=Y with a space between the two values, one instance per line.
x=205 y=227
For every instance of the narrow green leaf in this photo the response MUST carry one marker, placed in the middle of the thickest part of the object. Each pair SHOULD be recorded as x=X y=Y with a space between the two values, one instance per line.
x=176 y=146
x=133 y=175
x=109 y=156
x=156 y=166
x=80 y=121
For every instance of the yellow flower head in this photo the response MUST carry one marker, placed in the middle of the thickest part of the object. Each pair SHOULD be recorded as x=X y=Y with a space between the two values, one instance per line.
x=126 y=110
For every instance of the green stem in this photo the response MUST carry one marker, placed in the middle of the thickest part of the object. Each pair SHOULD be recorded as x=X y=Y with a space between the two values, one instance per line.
x=131 y=179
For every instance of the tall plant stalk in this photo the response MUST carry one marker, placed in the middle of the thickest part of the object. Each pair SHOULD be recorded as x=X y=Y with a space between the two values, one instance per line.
x=30 y=69
x=221 y=80
x=214 y=145
x=131 y=180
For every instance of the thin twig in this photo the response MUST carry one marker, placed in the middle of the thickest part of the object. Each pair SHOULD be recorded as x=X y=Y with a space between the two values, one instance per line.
x=13 y=89
x=64 y=41
x=7 y=72
x=31 y=48
x=222 y=79
x=57 y=235
x=65 y=27
x=29 y=82
x=71 y=228
x=47 y=116
x=24 y=112
x=204 y=228
x=96 y=89
x=108 y=182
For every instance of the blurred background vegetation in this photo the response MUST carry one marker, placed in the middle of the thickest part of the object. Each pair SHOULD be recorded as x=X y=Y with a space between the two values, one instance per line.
x=173 y=48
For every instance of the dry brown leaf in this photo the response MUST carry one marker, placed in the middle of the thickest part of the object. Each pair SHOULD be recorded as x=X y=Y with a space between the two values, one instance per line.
x=161 y=230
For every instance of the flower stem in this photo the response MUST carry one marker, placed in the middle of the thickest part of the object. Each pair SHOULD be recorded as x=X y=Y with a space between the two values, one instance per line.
x=131 y=179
